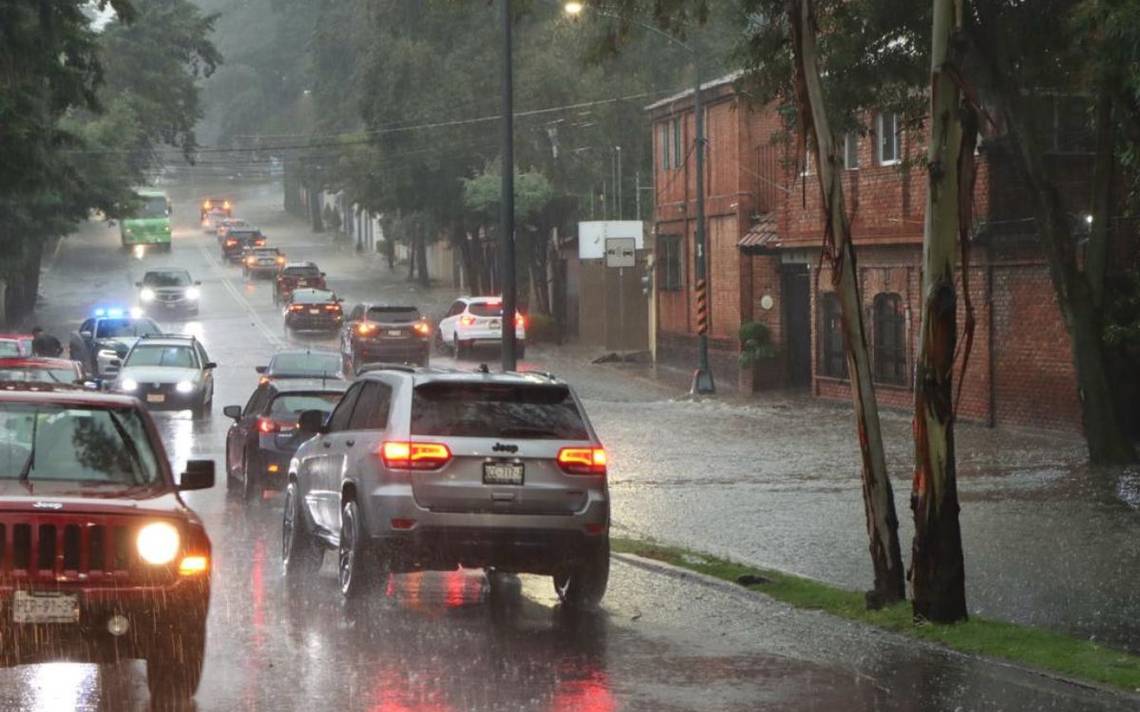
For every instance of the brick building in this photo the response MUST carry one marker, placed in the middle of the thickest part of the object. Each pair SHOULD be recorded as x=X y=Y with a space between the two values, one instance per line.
x=764 y=229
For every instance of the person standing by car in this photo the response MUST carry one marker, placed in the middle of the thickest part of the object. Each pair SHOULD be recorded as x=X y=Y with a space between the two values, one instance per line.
x=44 y=344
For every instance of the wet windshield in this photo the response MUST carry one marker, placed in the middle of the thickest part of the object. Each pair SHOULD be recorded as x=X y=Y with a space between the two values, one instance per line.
x=168 y=356
x=115 y=328
x=75 y=444
x=153 y=207
x=167 y=279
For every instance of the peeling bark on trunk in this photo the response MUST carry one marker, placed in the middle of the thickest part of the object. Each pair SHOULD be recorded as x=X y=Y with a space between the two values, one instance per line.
x=878 y=498
x=937 y=565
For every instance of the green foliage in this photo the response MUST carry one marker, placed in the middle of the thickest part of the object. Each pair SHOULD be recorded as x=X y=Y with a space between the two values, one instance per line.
x=1058 y=653
x=1122 y=310
x=483 y=194
x=755 y=343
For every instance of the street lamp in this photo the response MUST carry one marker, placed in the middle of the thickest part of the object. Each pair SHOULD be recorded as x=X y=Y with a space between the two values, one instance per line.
x=702 y=377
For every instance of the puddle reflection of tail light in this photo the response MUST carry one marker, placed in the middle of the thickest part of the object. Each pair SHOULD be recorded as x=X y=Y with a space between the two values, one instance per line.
x=582 y=460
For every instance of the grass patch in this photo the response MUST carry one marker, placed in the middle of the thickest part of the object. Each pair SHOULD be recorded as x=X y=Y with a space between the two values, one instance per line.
x=1055 y=652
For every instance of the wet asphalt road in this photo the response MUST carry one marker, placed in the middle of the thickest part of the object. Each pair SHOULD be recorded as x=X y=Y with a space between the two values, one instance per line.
x=452 y=641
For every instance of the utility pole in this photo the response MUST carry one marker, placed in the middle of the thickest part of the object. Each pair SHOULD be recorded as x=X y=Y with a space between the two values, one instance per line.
x=507 y=217
x=702 y=377
x=620 y=206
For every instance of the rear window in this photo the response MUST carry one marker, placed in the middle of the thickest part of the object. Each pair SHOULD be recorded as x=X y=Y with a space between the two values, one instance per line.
x=291 y=405
x=311 y=363
x=486 y=309
x=493 y=410
x=392 y=315
x=312 y=297
x=302 y=271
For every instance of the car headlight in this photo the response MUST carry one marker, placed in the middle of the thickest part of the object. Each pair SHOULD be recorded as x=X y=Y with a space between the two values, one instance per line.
x=147 y=295
x=128 y=384
x=193 y=293
x=184 y=386
x=158 y=543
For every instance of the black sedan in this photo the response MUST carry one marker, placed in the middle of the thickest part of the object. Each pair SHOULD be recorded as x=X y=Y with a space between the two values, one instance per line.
x=314 y=310
x=264 y=435
x=304 y=363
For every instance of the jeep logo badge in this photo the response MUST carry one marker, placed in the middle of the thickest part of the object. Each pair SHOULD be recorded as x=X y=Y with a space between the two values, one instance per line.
x=500 y=447
x=48 y=505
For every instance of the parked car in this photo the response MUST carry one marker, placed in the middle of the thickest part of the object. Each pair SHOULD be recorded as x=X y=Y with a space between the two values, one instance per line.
x=304 y=363
x=261 y=260
x=103 y=561
x=238 y=240
x=419 y=469
x=314 y=310
x=385 y=333
x=264 y=434
x=474 y=321
x=168 y=372
x=169 y=291
x=296 y=275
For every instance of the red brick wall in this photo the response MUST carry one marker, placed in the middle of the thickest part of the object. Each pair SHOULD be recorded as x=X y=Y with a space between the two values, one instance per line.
x=723 y=277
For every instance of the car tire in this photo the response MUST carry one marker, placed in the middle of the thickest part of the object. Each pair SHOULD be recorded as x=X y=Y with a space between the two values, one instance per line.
x=174 y=665
x=251 y=479
x=301 y=554
x=583 y=584
x=357 y=570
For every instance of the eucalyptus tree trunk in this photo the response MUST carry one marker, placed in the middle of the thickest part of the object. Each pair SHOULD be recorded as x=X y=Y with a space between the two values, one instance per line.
x=937 y=573
x=878 y=498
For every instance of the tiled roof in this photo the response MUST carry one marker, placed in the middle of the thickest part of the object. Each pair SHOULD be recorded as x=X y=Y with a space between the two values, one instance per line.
x=762 y=234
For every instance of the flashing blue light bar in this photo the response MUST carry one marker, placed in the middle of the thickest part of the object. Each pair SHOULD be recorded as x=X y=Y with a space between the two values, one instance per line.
x=113 y=312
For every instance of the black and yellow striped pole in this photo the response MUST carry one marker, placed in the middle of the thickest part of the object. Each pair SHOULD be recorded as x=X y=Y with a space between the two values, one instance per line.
x=702 y=377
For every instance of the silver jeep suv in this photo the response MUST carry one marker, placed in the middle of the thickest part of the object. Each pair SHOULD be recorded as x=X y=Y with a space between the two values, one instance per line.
x=426 y=469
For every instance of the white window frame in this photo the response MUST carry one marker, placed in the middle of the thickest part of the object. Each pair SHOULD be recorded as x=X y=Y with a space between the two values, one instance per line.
x=666 y=145
x=850 y=139
x=896 y=140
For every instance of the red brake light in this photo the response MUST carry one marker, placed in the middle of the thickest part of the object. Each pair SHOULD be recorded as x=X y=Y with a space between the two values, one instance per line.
x=364 y=328
x=267 y=425
x=520 y=320
x=467 y=320
x=280 y=260
x=207 y=205
x=296 y=307
x=332 y=307
x=398 y=455
x=422 y=328
x=260 y=242
x=231 y=243
x=582 y=460
x=226 y=205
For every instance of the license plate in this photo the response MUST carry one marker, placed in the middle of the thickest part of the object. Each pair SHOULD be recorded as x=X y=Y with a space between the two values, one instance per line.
x=502 y=473
x=48 y=607
x=314 y=311
x=394 y=332
x=302 y=283
x=155 y=398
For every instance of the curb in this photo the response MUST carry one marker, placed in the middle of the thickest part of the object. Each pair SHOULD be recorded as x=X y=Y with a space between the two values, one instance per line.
x=660 y=567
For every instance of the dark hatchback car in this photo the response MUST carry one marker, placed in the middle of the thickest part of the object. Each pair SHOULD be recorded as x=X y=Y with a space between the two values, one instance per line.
x=297 y=275
x=264 y=435
x=240 y=239
x=314 y=310
x=376 y=333
x=304 y=363
x=103 y=561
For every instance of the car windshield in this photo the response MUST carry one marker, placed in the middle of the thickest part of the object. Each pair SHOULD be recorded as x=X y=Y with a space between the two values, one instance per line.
x=313 y=296
x=9 y=347
x=496 y=410
x=75 y=444
x=485 y=309
x=291 y=405
x=309 y=271
x=394 y=315
x=153 y=206
x=115 y=328
x=172 y=278
x=39 y=374
x=162 y=355
x=306 y=363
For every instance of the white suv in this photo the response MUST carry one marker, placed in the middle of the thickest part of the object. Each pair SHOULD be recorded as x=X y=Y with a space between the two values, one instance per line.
x=478 y=320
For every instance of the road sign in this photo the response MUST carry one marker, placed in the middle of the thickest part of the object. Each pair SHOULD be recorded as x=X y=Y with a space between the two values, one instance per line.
x=592 y=236
x=621 y=252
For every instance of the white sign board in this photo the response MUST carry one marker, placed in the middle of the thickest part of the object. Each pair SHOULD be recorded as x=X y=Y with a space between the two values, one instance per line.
x=621 y=252
x=592 y=236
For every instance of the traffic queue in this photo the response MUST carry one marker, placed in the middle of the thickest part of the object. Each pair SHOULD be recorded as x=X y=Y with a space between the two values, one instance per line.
x=494 y=456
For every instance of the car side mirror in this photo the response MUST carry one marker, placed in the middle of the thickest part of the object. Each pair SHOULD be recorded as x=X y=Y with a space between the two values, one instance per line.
x=86 y=334
x=312 y=421
x=232 y=411
x=261 y=369
x=199 y=475
x=210 y=365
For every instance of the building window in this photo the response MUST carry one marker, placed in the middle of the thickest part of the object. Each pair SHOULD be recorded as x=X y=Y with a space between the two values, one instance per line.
x=890 y=339
x=678 y=155
x=851 y=151
x=670 y=263
x=665 y=146
x=887 y=139
x=833 y=356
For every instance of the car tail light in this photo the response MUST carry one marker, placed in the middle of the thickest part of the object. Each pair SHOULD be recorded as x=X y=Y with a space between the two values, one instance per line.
x=259 y=243
x=365 y=329
x=267 y=425
x=520 y=320
x=296 y=307
x=280 y=260
x=400 y=455
x=207 y=205
x=422 y=328
x=231 y=243
x=582 y=460
x=226 y=205
x=250 y=260
x=332 y=307
x=467 y=320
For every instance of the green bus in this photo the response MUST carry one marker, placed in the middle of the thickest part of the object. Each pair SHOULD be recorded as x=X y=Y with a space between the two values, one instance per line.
x=150 y=223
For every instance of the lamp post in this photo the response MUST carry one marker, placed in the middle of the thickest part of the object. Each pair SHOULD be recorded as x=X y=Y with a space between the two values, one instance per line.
x=507 y=204
x=702 y=378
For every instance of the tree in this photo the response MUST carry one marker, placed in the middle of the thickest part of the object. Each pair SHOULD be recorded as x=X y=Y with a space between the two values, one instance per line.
x=938 y=576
